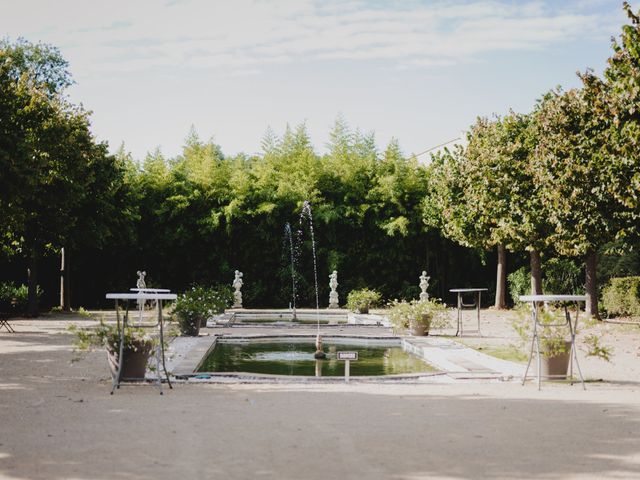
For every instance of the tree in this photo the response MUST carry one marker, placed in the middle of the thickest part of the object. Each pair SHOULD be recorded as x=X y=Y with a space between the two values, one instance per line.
x=572 y=173
x=486 y=195
x=48 y=151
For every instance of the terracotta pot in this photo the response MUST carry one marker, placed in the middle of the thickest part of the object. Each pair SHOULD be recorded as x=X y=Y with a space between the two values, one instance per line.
x=135 y=362
x=363 y=310
x=555 y=366
x=203 y=322
x=419 y=330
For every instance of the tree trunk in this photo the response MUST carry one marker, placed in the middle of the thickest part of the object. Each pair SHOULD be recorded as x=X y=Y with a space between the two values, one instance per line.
x=32 y=284
x=501 y=278
x=65 y=279
x=536 y=273
x=591 y=284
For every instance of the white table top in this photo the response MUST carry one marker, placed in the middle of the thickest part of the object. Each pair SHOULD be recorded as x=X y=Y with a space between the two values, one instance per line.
x=553 y=298
x=462 y=290
x=151 y=290
x=142 y=296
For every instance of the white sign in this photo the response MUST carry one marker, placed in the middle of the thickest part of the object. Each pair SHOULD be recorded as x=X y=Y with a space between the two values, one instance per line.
x=347 y=356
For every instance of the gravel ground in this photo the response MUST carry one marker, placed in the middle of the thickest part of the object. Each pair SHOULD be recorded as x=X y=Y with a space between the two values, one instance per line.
x=58 y=421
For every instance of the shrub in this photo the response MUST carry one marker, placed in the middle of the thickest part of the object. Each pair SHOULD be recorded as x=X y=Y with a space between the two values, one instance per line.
x=362 y=300
x=622 y=296
x=519 y=284
x=198 y=304
x=15 y=298
x=561 y=276
x=428 y=314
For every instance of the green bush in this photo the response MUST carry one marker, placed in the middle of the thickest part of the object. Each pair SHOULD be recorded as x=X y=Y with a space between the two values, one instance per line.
x=562 y=276
x=15 y=298
x=198 y=304
x=362 y=300
x=519 y=284
x=621 y=297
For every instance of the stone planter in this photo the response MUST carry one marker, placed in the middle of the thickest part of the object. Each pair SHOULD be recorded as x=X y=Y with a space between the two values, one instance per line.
x=363 y=310
x=135 y=362
x=419 y=330
x=555 y=366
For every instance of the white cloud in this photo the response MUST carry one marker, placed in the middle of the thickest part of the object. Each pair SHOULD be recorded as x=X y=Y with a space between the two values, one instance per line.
x=244 y=35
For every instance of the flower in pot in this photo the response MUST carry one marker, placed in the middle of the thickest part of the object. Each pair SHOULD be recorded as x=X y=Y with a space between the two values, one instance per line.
x=137 y=348
x=418 y=317
x=195 y=306
x=360 y=301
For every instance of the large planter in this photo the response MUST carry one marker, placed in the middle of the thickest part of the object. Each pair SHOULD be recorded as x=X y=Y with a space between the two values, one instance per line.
x=135 y=362
x=555 y=366
x=419 y=330
x=203 y=321
x=189 y=326
x=363 y=310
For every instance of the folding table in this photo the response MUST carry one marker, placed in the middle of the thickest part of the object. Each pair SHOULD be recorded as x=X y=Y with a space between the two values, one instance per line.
x=535 y=301
x=121 y=326
x=462 y=305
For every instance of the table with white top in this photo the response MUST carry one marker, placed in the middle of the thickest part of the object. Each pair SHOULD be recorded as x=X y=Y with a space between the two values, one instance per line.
x=566 y=300
x=461 y=305
x=141 y=296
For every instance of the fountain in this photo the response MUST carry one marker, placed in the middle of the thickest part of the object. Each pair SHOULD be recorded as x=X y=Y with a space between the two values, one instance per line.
x=289 y=235
x=306 y=212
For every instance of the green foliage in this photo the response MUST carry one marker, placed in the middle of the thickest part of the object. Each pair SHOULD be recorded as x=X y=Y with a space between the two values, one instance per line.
x=621 y=297
x=596 y=349
x=519 y=284
x=428 y=314
x=14 y=298
x=562 y=276
x=200 y=303
x=554 y=340
x=363 y=299
x=106 y=336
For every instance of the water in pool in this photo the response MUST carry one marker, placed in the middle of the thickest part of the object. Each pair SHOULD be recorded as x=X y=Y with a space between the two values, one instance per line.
x=297 y=359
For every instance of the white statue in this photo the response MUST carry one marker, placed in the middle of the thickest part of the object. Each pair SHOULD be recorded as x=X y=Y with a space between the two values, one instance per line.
x=333 y=285
x=237 y=285
x=424 y=284
x=140 y=283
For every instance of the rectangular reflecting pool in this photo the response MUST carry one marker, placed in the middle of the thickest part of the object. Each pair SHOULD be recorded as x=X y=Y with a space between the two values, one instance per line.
x=296 y=358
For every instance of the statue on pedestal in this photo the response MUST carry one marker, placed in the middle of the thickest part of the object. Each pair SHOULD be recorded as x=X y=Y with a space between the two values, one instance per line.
x=237 y=294
x=424 y=284
x=333 y=285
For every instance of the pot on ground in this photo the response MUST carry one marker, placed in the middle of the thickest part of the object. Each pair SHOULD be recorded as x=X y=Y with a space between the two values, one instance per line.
x=135 y=362
x=557 y=365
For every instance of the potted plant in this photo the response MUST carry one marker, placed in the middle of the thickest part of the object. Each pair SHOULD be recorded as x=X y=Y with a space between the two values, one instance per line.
x=360 y=301
x=555 y=342
x=137 y=348
x=418 y=317
x=195 y=306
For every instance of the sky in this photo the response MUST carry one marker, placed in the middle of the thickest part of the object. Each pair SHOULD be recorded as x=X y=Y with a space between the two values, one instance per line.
x=419 y=71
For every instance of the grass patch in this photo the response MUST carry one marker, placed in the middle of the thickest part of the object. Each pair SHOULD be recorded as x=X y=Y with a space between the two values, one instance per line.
x=504 y=352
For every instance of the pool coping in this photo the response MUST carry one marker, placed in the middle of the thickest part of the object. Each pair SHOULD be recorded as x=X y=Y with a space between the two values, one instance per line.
x=454 y=361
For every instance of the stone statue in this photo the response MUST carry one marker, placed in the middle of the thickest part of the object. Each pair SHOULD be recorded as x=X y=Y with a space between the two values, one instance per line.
x=424 y=284
x=237 y=285
x=333 y=285
x=140 y=283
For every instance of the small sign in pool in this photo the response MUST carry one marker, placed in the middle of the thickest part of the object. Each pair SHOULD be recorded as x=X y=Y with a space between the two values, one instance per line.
x=347 y=356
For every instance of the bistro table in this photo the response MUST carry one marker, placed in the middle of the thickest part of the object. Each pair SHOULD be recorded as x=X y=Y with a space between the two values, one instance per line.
x=141 y=297
x=462 y=305
x=535 y=301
